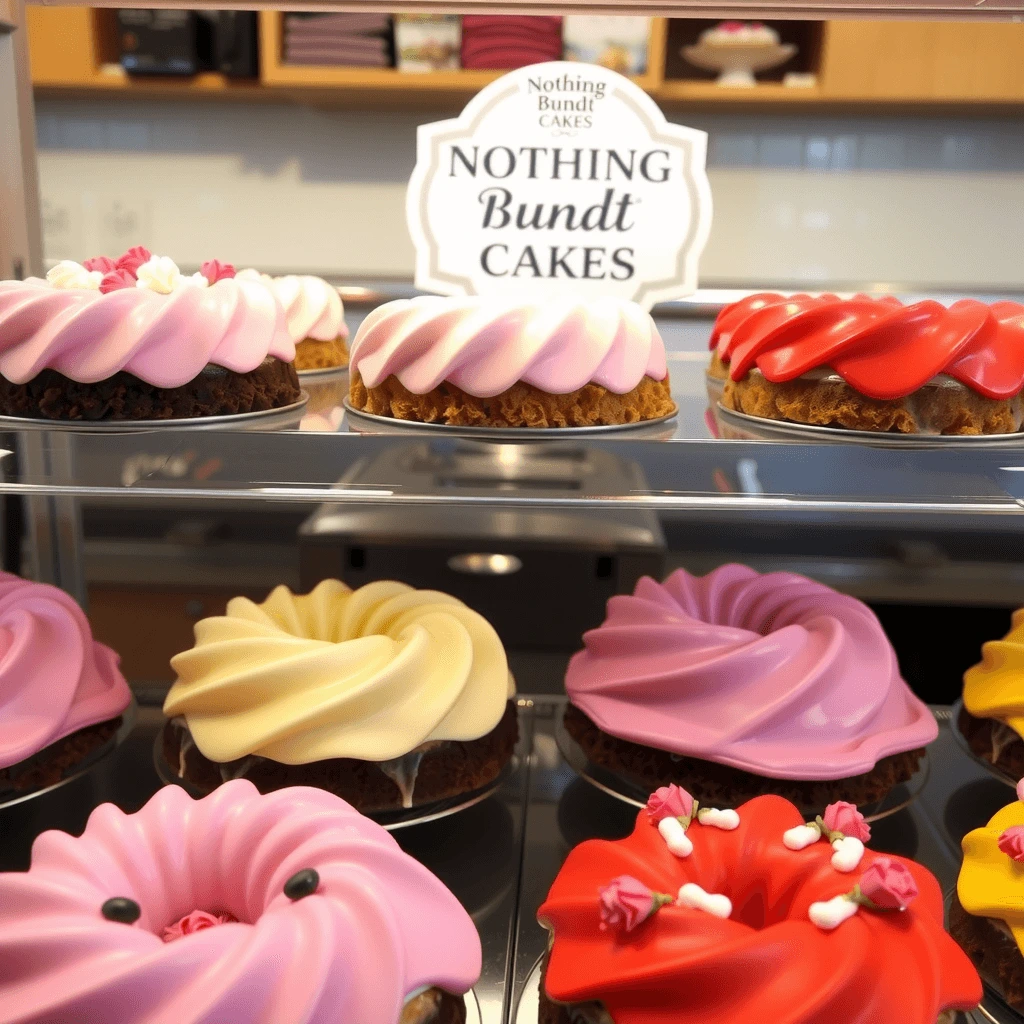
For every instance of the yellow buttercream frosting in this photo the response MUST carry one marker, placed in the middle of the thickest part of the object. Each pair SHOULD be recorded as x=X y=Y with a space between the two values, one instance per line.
x=994 y=688
x=371 y=673
x=991 y=882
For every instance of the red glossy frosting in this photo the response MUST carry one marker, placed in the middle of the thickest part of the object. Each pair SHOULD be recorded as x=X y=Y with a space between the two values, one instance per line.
x=767 y=961
x=881 y=347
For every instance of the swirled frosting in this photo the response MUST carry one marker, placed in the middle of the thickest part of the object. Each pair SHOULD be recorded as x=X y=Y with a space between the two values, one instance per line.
x=766 y=960
x=485 y=345
x=994 y=688
x=991 y=883
x=54 y=678
x=312 y=307
x=164 y=339
x=773 y=674
x=378 y=927
x=880 y=347
x=371 y=673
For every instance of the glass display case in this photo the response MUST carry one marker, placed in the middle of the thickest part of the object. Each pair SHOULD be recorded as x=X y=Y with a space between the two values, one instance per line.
x=154 y=527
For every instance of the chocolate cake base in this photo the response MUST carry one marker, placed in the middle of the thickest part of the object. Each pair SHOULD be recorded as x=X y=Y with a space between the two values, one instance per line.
x=994 y=742
x=311 y=354
x=719 y=785
x=522 y=405
x=215 y=392
x=54 y=762
x=434 y=1007
x=995 y=955
x=446 y=770
x=825 y=403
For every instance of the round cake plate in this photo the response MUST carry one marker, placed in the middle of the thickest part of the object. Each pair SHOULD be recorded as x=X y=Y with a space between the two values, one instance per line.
x=993 y=1009
x=9 y=797
x=635 y=794
x=326 y=373
x=285 y=418
x=366 y=422
x=759 y=429
x=961 y=741
x=392 y=821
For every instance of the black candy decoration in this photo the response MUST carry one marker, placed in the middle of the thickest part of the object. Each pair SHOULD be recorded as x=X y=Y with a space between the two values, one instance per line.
x=302 y=883
x=121 y=909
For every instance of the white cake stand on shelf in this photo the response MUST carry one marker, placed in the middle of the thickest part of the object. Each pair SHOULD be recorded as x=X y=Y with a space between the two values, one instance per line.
x=738 y=63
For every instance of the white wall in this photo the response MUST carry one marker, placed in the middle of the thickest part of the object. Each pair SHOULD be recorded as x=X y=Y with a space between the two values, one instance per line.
x=913 y=203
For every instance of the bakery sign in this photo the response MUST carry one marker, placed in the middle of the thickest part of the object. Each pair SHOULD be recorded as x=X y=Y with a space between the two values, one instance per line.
x=559 y=178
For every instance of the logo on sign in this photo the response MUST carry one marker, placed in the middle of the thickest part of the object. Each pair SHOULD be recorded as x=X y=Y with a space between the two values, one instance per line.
x=560 y=177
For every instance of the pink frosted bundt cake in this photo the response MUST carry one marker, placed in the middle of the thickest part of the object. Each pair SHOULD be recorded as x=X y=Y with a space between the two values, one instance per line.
x=738 y=683
x=61 y=693
x=234 y=909
x=704 y=916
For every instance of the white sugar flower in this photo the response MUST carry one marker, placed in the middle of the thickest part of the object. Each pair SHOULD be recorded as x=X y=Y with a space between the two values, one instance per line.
x=158 y=274
x=197 y=280
x=69 y=274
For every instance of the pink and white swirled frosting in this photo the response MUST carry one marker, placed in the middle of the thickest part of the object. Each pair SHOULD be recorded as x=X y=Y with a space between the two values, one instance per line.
x=378 y=928
x=485 y=345
x=54 y=678
x=164 y=339
x=774 y=674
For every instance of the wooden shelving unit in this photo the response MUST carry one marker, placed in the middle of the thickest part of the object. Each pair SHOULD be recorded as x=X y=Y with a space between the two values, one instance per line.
x=860 y=62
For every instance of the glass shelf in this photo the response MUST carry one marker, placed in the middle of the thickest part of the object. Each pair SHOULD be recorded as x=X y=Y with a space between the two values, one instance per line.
x=688 y=471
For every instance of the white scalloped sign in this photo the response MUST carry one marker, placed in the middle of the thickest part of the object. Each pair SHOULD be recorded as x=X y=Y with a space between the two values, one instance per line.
x=560 y=178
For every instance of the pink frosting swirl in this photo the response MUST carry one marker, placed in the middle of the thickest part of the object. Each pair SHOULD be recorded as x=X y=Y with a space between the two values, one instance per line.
x=165 y=340
x=485 y=345
x=379 y=926
x=773 y=674
x=54 y=678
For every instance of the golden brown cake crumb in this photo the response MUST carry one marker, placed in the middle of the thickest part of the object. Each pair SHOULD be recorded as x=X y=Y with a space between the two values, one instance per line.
x=522 y=405
x=311 y=354
x=718 y=369
x=825 y=403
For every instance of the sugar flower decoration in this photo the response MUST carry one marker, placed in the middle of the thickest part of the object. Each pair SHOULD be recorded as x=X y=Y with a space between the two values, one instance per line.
x=115 y=280
x=625 y=903
x=886 y=885
x=133 y=259
x=672 y=809
x=158 y=274
x=845 y=828
x=214 y=271
x=197 y=921
x=1020 y=790
x=1011 y=842
x=68 y=274
x=104 y=264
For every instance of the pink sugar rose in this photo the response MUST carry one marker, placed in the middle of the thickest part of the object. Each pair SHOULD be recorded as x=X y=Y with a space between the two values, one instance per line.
x=133 y=259
x=669 y=802
x=731 y=26
x=627 y=903
x=888 y=884
x=104 y=264
x=197 y=921
x=214 y=271
x=844 y=817
x=1020 y=790
x=115 y=280
x=1011 y=842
